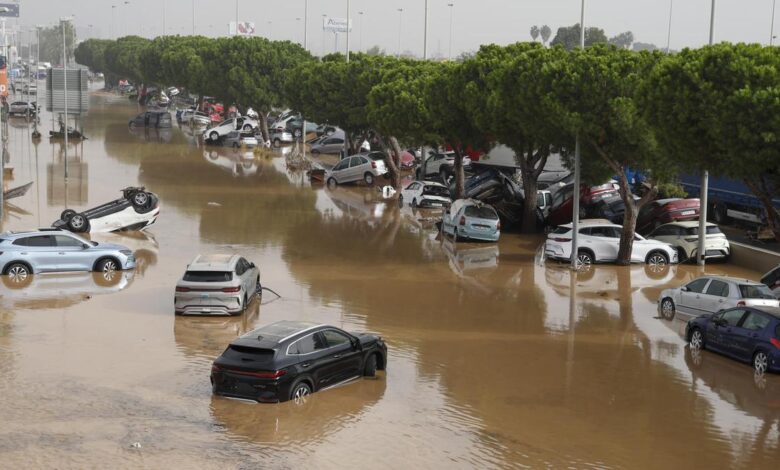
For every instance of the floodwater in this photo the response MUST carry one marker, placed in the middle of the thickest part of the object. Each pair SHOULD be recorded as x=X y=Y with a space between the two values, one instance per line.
x=490 y=364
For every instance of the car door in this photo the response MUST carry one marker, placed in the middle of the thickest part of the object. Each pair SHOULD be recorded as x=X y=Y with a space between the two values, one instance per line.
x=343 y=360
x=42 y=253
x=713 y=298
x=72 y=254
x=748 y=333
x=726 y=331
x=410 y=192
x=356 y=168
x=339 y=171
x=311 y=352
x=690 y=296
x=604 y=242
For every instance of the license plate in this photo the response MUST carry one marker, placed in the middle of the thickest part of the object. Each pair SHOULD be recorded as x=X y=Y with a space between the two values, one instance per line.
x=687 y=212
x=204 y=296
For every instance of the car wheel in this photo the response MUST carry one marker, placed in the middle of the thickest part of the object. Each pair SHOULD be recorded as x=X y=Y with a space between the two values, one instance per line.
x=760 y=362
x=107 y=265
x=584 y=258
x=18 y=273
x=78 y=223
x=657 y=258
x=277 y=143
x=667 y=309
x=315 y=151
x=297 y=133
x=214 y=136
x=369 y=179
x=370 y=369
x=682 y=256
x=401 y=201
x=414 y=203
x=697 y=339
x=67 y=214
x=300 y=392
x=247 y=127
x=332 y=183
x=443 y=175
x=140 y=199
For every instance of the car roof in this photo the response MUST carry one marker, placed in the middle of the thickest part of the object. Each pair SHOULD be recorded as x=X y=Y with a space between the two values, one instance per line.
x=592 y=223
x=273 y=334
x=213 y=262
x=663 y=202
x=689 y=223
x=736 y=280
x=433 y=183
x=44 y=231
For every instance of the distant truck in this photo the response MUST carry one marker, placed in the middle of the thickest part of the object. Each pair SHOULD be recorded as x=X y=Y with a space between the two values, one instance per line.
x=729 y=200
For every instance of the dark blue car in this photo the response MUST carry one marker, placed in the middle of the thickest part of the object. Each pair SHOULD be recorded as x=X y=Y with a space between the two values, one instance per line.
x=748 y=334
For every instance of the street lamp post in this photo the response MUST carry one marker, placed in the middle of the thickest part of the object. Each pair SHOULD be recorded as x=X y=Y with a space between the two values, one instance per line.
x=123 y=30
x=306 y=25
x=113 y=7
x=270 y=30
x=163 y=9
x=425 y=33
x=669 y=30
x=236 y=17
x=65 y=89
x=449 y=53
x=193 y=17
x=705 y=179
x=575 y=213
x=348 y=12
x=2 y=144
x=360 y=38
x=400 y=19
x=772 y=26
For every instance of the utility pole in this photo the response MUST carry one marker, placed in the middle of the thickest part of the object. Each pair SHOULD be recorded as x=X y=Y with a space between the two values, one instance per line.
x=425 y=33
x=193 y=17
x=400 y=22
x=360 y=44
x=306 y=25
x=669 y=31
x=449 y=53
x=65 y=85
x=772 y=27
x=575 y=215
x=705 y=180
x=347 y=32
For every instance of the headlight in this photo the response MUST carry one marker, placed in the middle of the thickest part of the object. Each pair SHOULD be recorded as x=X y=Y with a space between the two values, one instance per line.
x=126 y=252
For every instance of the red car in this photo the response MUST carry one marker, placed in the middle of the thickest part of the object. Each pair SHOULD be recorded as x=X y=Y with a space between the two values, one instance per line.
x=664 y=211
x=563 y=202
x=407 y=160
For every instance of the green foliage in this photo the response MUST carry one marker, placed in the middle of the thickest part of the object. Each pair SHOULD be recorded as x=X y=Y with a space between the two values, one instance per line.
x=671 y=190
x=622 y=40
x=91 y=53
x=122 y=57
x=51 y=42
x=569 y=37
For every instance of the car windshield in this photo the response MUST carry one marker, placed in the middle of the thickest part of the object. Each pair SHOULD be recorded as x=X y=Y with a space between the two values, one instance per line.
x=481 y=212
x=755 y=291
x=711 y=230
x=208 y=276
x=561 y=230
x=436 y=191
x=261 y=355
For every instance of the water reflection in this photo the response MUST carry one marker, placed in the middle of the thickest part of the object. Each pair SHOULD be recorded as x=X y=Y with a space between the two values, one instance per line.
x=60 y=290
x=207 y=337
x=143 y=244
x=162 y=135
x=235 y=162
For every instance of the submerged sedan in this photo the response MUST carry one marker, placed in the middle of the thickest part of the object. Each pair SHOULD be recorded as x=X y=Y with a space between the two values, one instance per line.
x=289 y=360
x=748 y=334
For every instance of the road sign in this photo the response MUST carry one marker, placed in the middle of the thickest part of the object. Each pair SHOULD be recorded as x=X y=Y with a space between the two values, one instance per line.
x=13 y=10
x=338 y=25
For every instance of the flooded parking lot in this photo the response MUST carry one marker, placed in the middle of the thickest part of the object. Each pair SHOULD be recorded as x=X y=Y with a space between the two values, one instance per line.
x=490 y=363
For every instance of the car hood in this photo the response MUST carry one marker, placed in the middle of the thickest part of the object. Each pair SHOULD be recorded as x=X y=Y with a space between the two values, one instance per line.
x=367 y=339
x=110 y=246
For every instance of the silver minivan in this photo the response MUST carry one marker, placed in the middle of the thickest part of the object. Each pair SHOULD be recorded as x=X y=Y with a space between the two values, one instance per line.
x=366 y=167
x=710 y=294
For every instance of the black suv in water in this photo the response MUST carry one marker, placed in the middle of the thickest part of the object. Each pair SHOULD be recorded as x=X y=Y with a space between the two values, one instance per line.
x=289 y=360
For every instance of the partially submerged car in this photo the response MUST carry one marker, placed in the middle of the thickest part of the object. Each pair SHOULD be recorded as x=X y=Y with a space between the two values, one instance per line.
x=441 y=164
x=229 y=125
x=219 y=284
x=54 y=250
x=772 y=280
x=135 y=210
x=709 y=294
x=238 y=139
x=365 y=167
x=193 y=117
x=279 y=138
x=22 y=108
x=664 y=211
x=684 y=237
x=471 y=220
x=289 y=360
x=156 y=119
x=425 y=194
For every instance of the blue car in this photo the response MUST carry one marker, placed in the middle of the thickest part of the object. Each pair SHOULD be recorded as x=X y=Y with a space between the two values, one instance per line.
x=472 y=220
x=747 y=334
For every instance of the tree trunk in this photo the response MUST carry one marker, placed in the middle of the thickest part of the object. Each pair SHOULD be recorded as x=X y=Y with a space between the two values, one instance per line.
x=395 y=174
x=772 y=214
x=629 y=218
x=458 y=172
x=264 y=126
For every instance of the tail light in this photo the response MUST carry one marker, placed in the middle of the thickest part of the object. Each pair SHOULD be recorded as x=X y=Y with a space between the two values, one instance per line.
x=562 y=240
x=462 y=220
x=182 y=289
x=261 y=374
x=373 y=165
x=231 y=289
x=741 y=303
x=498 y=225
x=775 y=342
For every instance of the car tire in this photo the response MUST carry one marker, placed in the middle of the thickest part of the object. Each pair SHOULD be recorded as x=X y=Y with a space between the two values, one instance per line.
x=247 y=127
x=214 y=136
x=105 y=265
x=414 y=203
x=315 y=151
x=67 y=214
x=667 y=309
x=332 y=183
x=297 y=133
x=140 y=199
x=369 y=179
x=401 y=201
x=277 y=143
x=682 y=256
x=760 y=362
x=585 y=258
x=299 y=391
x=370 y=368
x=697 y=339
x=657 y=258
x=19 y=273
x=78 y=223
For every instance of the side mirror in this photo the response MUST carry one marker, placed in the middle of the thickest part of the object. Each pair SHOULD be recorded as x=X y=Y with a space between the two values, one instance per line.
x=84 y=246
x=684 y=288
x=356 y=344
x=252 y=265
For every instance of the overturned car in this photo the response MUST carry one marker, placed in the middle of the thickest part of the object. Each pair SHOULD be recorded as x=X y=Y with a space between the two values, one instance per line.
x=135 y=210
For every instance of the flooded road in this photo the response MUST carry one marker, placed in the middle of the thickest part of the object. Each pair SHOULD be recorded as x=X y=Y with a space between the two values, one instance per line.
x=490 y=364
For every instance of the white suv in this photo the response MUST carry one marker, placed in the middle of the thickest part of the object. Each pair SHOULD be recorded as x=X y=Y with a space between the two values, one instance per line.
x=599 y=241
x=229 y=125
x=684 y=237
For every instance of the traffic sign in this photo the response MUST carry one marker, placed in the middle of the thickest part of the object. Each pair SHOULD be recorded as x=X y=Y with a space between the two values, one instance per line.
x=13 y=10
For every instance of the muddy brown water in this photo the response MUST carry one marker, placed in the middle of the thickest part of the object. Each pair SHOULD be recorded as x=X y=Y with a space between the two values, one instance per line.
x=489 y=364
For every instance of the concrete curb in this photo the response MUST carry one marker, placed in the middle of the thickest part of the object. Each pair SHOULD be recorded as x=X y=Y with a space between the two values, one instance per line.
x=751 y=257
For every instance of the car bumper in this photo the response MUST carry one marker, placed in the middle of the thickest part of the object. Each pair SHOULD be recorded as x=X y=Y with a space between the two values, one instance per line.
x=196 y=304
x=483 y=236
x=433 y=203
x=231 y=385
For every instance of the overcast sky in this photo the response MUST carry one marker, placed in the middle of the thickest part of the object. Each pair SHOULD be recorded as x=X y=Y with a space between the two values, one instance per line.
x=475 y=22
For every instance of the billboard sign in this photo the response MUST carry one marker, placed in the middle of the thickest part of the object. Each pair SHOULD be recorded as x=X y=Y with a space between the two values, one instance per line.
x=336 y=25
x=13 y=10
x=245 y=28
x=4 y=82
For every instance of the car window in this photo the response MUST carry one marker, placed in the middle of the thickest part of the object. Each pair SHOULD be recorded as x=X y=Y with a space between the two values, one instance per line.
x=711 y=230
x=308 y=344
x=40 y=240
x=584 y=231
x=240 y=268
x=481 y=212
x=335 y=338
x=562 y=230
x=413 y=186
x=341 y=165
x=732 y=317
x=356 y=161
x=64 y=240
x=718 y=288
x=605 y=232
x=336 y=141
x=755 y=291
x=772 y=277
x=433 y=190
x=755 y=321
x=208 y=276
x=697 y=286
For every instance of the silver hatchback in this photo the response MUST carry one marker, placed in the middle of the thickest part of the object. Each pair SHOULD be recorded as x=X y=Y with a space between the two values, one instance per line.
x=710 y=294
x=366 y=167
x=217 y=285
x=52 y=250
